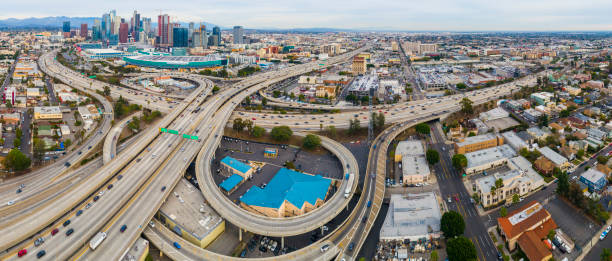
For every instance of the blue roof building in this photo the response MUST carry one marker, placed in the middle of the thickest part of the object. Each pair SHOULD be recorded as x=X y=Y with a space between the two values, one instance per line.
x=235 y=166
x=594 y=179
x=230 y=183
x=289 y=193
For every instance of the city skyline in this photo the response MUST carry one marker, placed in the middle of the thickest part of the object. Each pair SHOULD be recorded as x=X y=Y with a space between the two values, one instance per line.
x=473 y=15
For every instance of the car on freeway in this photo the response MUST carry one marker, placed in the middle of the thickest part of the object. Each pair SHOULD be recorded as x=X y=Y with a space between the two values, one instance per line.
x=351 y=246
x=177 y=245
x=123 y=228
x=22 y=252
x=605 y=233
x=324 y=248
x=40 y=253
x=110 y=186
x=54 y=231
x=96 y=198
x=163 y=188
x=119 y=177
x=69 y=232
x=79 y=212
x=66 y=223
x=39 y=241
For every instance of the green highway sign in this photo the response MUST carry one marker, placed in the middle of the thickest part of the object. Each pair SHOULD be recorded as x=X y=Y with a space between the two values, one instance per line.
x=163 y=130
x=91 y=77
x=186 y=136
x=195 y=138
x=173 y=132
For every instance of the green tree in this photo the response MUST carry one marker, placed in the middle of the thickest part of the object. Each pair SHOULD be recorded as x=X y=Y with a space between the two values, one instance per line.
x=516 y=198
x=580 y=154
x=238 y=125
x=466 y=105
x=264 y=101
x=433 y=256
x=67 y=143
x=461 y=85
x=281 y=133
x=16 y=160
x=499 y=183
x=311 y=141
x=422 y=128
x=459 y=161
x=503 y=211
x=107 y=91
x=452 y=224
x=605 y=255
x=461 y=249
x=432 y=156
x=17 y=142
x=258 y=131
x=332 y=131
x=215 y=89
x=563 y=184
x=602 y=159
x=38 y=148
x=551 y=234
x=354 y=126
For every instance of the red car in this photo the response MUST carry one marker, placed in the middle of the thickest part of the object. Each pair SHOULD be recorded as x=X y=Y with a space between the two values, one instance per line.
x=253 y=118
x=54 y=232
x=22 y=252
x=456 y=198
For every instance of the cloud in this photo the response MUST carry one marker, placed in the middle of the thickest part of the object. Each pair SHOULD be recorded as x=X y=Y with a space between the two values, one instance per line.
x=412 y=15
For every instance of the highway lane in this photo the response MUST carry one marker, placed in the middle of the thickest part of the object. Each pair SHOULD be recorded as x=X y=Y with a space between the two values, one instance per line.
x=38 y=179
x=109 y=150
x=395 y=113
x=43 y=216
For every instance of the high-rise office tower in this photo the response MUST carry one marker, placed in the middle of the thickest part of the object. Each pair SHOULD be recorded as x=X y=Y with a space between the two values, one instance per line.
x=66 y=29
x=191 y=30
x=105 y=27
x=163 y=25
x=83 y=32
x=238 y=35
x=217 y=34
x=200 y=39
x=180 y=37
x=135 y=26
x=123 y=32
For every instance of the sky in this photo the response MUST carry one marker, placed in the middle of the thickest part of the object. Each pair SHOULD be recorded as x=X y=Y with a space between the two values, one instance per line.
x=403 y=15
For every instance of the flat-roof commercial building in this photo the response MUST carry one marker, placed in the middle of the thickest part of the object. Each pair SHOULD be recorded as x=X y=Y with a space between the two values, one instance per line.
x=186 y=213
x=413 y=217
x=362 y=86
x=411 y=154
x=47 y=113
x=359 y=65
x=289 y=193
x=234 y=166
x=528 y=226
x=409 y=148
x=493 y=114
x=89 y=112
x=514 y=140
x=483 y=160
x=176 y=62
x=479 y=142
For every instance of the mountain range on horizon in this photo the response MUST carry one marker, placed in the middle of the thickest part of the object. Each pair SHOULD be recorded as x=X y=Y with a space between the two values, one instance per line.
x=56 y=22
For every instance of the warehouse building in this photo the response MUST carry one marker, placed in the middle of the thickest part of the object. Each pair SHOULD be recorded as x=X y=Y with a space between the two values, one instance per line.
x=478 y=142
x=412 y=217
x=47 y=113
x=234 y=166
x=414 y=166
x=289 y=193
x=483 y=160
x=186 y=214
x=514 y=140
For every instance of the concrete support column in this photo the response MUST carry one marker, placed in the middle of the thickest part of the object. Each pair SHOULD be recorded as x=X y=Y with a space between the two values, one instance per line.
x=240 y=234
x=282 y=242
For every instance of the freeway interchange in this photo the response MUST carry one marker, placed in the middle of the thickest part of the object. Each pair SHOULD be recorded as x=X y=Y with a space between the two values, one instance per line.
x=158 y=160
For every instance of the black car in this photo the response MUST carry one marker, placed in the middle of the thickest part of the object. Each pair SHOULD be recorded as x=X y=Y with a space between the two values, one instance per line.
x=123 y=228
x=96 y=198
x=67 y=222
x=163 y=188
x=69 y=232
x=110 y=186
x=67 y=164
x=41 y=253
x=351 y=246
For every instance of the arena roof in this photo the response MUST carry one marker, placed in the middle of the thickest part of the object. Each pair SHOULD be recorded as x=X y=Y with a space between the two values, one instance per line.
x=176 y=61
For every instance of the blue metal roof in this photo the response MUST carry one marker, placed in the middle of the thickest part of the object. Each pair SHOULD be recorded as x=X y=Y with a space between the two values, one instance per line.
x=289 y=185
x=236 y=164
x=231 y=182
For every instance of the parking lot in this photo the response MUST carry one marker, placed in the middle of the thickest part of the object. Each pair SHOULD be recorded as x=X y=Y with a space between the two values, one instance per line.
x=573 y=223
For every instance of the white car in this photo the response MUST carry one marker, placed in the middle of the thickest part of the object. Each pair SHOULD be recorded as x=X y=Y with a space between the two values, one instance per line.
x=10 y=203
x=324 y=248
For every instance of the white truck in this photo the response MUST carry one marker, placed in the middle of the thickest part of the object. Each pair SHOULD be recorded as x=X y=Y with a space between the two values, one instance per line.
x=349 y=185
x=97 y=240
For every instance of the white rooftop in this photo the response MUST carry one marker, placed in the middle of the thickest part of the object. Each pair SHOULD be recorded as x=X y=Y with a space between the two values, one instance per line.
x=550 y=154
x=415 y=165
x=514 y=140
x=410 y=147
x=494 y=114
x=411 y=217
x=482 y=157
x=526 y=213
x=593 y=175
